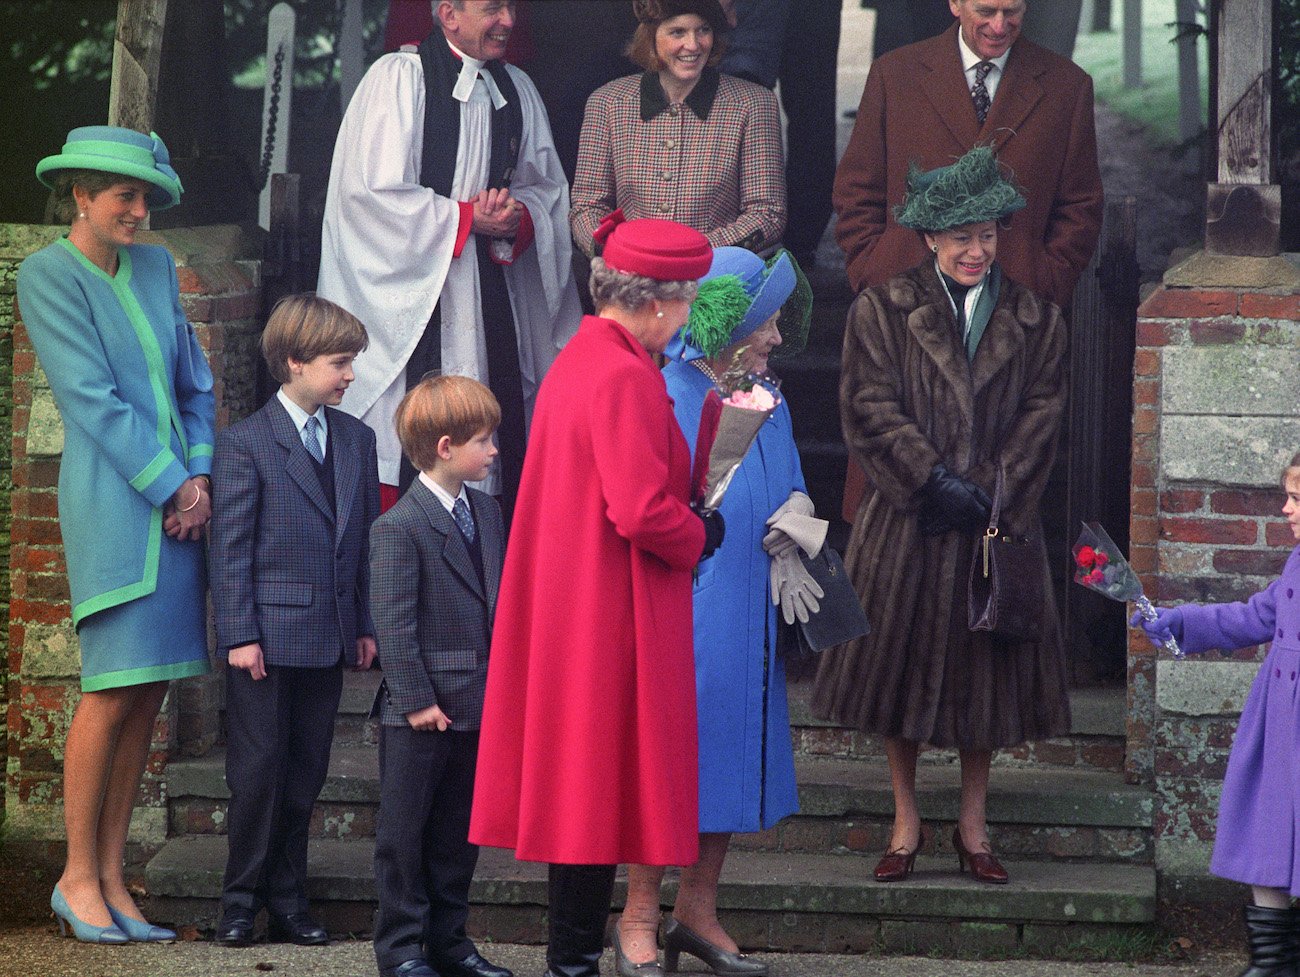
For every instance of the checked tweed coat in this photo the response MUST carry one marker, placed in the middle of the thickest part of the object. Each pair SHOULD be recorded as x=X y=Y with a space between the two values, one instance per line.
x=909 y=398
x=713 y=163
x=433 y=617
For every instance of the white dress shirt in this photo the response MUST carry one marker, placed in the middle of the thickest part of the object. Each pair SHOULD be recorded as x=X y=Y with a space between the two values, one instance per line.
x=443 y=496
x=299 y=418
x=969 y=59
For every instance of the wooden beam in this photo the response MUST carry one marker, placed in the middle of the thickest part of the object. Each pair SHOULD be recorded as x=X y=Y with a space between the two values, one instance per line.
x=137 y=53
x=1132 y=43
x=1243 y=209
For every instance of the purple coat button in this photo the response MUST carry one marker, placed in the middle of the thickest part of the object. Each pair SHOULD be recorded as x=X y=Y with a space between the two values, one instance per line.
x=1277 y=673
x=1290 y=592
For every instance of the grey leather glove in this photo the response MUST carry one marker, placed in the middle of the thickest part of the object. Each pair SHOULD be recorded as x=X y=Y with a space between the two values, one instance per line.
x=793 y=587
x=776 y=541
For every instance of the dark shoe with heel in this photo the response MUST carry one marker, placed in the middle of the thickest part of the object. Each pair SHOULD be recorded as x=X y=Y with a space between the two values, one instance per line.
x=297 y=928
x=624 y=967
x=680 y=938
x=896 y=865
x=984 y=866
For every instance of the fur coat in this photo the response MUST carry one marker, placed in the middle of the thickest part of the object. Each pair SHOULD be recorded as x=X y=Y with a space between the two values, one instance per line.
x=909 y=398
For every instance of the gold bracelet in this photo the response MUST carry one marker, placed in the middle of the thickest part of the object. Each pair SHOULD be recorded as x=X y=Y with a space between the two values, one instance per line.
x=198 y=494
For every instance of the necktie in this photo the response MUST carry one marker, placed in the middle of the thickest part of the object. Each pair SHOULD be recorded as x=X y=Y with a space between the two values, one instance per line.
x=460 y=512
x=978 y=93
x=311 y=439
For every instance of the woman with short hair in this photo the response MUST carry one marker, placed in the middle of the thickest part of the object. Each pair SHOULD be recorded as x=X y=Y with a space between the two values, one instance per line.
x=587 y=757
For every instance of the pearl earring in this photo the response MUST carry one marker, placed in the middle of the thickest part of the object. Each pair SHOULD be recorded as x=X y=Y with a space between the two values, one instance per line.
x=934 y=248
x=659 y=315
x=82 y=215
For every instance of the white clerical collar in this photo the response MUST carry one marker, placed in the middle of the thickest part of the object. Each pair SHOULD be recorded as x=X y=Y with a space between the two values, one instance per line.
x=969 y=59
x=471 y=69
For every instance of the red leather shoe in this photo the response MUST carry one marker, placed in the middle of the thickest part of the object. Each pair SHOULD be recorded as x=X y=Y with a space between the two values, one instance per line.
x=896 y=865
x=984 y=866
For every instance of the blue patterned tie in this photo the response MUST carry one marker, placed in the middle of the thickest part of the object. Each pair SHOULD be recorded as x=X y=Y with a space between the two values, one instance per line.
x=980 y=94
x=311 y=439
x=460 y=512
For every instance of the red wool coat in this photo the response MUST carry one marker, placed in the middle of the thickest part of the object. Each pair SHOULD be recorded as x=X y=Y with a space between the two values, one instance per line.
x=588 y=749
x=916 y=108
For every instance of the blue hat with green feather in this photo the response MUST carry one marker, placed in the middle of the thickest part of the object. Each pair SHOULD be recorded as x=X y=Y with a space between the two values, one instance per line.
x=739 y=293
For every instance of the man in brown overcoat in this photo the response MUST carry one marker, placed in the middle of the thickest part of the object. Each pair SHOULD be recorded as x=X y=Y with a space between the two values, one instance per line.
x=919 y=106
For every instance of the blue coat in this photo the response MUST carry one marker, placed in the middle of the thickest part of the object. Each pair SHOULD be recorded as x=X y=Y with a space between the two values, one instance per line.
x=746 y=760
x=135 y=394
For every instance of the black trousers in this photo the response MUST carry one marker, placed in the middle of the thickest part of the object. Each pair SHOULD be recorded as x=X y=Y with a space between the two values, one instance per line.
x=279 y=731
x=424 y=862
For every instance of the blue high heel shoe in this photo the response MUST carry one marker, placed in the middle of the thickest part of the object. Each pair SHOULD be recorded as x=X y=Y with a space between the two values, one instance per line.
x=141 y=931
x=83 y=931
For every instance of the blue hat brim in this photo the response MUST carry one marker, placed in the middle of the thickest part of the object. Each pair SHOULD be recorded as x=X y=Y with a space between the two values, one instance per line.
x=768 y=286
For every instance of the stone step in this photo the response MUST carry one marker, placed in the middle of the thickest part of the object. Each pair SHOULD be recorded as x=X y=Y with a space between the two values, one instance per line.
x=846 y=808
x=1096 y=740
x=767 y=901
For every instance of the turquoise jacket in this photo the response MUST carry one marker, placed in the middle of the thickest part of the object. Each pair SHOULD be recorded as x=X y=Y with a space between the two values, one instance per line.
x=747 y=780
x=135 y=394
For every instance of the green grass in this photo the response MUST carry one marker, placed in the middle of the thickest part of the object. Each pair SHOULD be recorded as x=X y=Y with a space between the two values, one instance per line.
x=1155 y=104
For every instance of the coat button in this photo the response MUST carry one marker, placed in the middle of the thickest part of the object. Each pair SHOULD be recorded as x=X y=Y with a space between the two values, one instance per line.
x=1277 y=673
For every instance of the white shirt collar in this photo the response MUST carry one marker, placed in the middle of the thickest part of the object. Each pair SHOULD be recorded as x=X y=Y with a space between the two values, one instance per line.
x=969 y=59
x=472 y=69
x=299 y=416
x=441 y=493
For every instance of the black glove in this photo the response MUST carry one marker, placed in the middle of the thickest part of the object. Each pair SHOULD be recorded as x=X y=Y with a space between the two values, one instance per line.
x=714 y=531
x=949 y=502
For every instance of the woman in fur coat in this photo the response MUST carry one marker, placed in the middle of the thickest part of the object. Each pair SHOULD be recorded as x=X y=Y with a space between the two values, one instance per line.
x=950 y=370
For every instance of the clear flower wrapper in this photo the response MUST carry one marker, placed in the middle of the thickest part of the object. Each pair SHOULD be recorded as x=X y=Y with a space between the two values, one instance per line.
x=1100 y=566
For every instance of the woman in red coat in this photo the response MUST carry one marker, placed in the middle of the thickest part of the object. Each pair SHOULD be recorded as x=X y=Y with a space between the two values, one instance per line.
x=587 y=756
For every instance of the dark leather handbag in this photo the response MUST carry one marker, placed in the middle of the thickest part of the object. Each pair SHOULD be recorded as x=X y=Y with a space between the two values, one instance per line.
x=1005 y=594
x=840 y=617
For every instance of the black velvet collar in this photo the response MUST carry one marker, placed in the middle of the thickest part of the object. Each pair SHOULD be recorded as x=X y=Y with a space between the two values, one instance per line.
x=699 y=101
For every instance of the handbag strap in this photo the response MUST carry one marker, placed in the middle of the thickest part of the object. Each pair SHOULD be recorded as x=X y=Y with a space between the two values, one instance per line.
x=997 y=502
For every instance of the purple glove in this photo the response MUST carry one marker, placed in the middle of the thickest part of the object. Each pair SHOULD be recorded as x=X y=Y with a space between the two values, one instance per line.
x=1167 y=625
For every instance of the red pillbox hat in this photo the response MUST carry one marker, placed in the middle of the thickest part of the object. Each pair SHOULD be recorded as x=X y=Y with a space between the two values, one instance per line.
x=660 y=249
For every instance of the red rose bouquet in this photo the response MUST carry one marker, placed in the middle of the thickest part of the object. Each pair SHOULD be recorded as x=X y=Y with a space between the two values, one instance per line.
x=1101 y=567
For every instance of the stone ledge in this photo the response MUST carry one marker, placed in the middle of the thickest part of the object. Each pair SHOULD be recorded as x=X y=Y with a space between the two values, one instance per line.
x=1203 y=270
x=1203 y=688
x=762 y=882
x=827 y=789
x=1243 y=380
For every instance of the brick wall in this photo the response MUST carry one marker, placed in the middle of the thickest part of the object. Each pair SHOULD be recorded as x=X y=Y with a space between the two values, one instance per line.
x=221 y=295
x=1216 y=418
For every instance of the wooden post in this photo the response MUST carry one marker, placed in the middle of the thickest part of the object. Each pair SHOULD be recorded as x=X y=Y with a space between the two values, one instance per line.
x=1243 y=209
x=137 y=52
x=1190 y=120
x=1132 y=42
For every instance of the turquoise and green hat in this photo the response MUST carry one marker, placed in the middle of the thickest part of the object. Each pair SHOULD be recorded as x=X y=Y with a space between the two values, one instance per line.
x=113 y=149
x=969 y=191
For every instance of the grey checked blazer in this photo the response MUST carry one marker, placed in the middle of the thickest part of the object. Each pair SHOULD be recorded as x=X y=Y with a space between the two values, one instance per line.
x=284 y=570
x=433 y=620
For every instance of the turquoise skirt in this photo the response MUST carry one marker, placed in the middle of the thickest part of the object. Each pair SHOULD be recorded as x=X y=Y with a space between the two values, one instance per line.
x=155 y=638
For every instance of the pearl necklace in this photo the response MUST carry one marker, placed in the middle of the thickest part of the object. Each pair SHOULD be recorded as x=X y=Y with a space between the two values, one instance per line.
x=707 y=370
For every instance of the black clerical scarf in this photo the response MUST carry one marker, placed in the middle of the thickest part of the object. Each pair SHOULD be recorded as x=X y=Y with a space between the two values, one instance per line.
x=437 y=171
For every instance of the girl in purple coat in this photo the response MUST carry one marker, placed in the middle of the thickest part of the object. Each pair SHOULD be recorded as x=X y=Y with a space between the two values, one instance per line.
x=1261 y=791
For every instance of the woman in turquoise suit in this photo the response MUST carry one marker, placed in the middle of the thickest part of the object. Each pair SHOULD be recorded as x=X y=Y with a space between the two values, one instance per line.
x=135 y=395
x=746 y=761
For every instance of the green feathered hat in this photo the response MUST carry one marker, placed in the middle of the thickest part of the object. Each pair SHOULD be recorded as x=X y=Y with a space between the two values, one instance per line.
x=969 y=191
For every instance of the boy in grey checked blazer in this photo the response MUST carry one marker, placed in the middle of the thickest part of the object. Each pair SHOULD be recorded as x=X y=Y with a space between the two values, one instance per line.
x=295 y=488
x=435 y=569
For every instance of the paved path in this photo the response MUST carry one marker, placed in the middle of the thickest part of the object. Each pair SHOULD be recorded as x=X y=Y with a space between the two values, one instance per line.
x=38 y=952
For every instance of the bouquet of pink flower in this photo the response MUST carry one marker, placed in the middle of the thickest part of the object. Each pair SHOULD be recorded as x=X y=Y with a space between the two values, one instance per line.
x=1100 y=566
x=728 y=426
